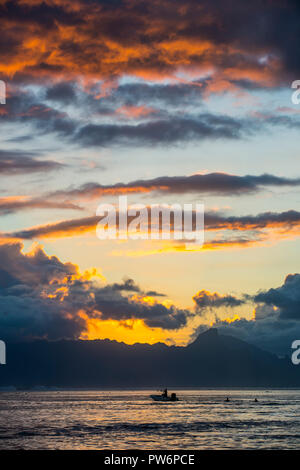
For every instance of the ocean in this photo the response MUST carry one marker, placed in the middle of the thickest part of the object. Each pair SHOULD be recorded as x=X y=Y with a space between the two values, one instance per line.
x=121 y=420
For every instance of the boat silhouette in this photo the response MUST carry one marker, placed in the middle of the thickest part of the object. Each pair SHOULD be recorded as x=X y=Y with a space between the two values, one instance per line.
x=164 y=396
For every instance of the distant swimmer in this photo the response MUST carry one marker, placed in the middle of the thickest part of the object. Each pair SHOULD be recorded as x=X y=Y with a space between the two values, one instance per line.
x=256 y=400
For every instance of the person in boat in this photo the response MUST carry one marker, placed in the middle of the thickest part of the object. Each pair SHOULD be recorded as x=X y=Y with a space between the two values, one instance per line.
x=227 y=399
x=165 y=393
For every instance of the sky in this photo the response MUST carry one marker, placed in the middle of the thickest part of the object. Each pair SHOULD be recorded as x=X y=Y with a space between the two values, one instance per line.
x=164 y=102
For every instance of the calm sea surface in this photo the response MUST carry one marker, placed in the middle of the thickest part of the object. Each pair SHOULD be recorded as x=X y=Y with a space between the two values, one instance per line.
x=131 y=420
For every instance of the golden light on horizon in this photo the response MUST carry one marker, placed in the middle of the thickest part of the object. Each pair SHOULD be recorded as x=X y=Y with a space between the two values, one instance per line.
x=133 y=331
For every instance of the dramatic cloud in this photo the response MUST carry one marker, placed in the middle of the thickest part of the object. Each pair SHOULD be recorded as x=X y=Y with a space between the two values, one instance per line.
x=117 y=119
x=11 y=204
x=57 y=38
x=127 y=285
x=280 y=224
x=62 y=92
x=25 y=107
x=286 y=299
x=57 y=111
x=114 y=306
x=208 y=300
x=118 y=96
x=286 y=221
x=86 y=76
x=60 y=229
x=158 y=95
x=276 y=321
x=130 y=286
x=18 y=162
x=222 y=184
x=164 y=131
x=77 y=57
x=41 y=297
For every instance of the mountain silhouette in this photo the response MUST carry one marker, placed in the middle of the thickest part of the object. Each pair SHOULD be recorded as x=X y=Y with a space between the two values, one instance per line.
x=212 y=360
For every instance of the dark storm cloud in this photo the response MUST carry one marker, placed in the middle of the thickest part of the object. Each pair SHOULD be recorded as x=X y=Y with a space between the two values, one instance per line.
x=129 y=285
x=204 y=300
x=284 y=222
x=126 y=116
x=95 y=37
x=26 y=107
x=287 y=219
x=170 y=95
x=41 y=13
x=285 y=298
x=129 y=94
x=114 y=306
x=62 y=92
x=42 y=297
x=277 y=318
x=30 y=316
x=163 y=132
x=210 y=183
x=34 y=269
x=152 y=100
x=158 y=95
x=154 y=293
x=147 y=126
x=17 y=162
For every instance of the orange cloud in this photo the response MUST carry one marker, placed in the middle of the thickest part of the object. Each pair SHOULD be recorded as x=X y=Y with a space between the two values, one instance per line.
x=267 y=227
x=134 y=112
x=69 y=39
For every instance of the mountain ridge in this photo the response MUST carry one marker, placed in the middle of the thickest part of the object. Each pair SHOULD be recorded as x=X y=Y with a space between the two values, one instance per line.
x=211 y=359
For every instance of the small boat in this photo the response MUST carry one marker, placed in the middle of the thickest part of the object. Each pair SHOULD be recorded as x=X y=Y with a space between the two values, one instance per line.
x=164 y=397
